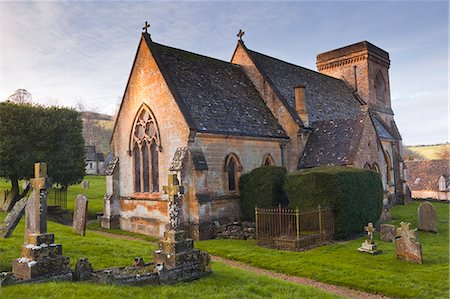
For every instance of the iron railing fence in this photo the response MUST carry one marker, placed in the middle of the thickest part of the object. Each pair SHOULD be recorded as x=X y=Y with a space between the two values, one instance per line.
x=57 y=197
x=293 y=229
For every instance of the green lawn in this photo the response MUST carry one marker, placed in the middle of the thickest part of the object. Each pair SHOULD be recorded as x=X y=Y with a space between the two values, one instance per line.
x=95 y=194
x=226 y=282
x=342 y=264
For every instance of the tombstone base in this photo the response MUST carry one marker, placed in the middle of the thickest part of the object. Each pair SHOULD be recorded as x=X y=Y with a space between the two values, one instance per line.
x=40 y=257
x=369 y=248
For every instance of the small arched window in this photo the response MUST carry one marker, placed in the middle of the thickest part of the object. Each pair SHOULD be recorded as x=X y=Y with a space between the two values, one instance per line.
x=380 y=88
x=232 y=169
x=442 y=183
x=144 y=142
x=388 y=169
x=367 y=166
x=268 y=160
x=376 y=168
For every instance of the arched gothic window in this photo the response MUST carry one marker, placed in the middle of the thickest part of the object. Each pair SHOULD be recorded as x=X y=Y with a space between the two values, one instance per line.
x=380 y=87
x=232 y=169
x=268 y=160
x=145 y=144
x=367 y=166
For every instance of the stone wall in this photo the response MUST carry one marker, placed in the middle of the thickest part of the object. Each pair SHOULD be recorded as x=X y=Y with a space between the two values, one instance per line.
x=236 y=230
x=425 y=194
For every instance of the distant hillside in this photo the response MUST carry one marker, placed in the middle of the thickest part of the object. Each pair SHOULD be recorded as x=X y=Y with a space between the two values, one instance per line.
x=427 y=152
x=97 y=130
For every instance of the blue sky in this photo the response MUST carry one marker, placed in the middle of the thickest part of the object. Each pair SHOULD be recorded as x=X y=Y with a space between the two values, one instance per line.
x=81 y=52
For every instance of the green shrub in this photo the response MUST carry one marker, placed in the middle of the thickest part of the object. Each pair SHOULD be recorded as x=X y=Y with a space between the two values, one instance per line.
x=355 y=195
x=262 y=188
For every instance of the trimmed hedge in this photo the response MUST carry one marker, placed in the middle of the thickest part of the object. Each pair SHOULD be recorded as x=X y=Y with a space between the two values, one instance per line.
x=356 y=195
x=262 y=188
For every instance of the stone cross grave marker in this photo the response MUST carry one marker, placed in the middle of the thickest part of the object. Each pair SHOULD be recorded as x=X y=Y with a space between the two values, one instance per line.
x=173 y=190
x=427 y=217
x=80 y=215
x=13 y=218
x=40 y=256
x=406 y=243
x=369 y=245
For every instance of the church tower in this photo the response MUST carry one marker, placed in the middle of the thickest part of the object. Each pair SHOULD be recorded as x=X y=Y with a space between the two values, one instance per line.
x=364 y=67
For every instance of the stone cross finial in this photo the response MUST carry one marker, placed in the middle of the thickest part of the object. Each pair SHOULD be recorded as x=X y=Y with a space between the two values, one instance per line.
x=370 y=230
x=146 y=26
x=240 y=34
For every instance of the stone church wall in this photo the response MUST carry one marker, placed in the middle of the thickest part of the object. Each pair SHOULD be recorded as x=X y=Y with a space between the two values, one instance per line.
x=145 y=213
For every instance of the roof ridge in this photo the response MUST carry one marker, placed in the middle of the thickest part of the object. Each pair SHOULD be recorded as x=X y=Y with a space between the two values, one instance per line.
x=295 y=65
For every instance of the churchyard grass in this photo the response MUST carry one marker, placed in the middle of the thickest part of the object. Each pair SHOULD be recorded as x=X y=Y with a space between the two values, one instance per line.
x=103 y=251
x=95 y=194
x=341 y=264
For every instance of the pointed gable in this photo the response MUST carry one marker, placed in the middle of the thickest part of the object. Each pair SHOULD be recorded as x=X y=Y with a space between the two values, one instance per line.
x=327 y=98
x=214 y=96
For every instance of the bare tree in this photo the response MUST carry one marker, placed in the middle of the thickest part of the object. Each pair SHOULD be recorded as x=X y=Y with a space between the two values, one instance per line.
x=20 y=96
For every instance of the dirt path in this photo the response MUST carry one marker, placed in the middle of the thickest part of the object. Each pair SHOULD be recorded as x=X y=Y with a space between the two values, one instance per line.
x=338 y=290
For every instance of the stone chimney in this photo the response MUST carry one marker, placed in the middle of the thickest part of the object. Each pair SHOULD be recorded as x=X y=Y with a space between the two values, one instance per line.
x=300 y=104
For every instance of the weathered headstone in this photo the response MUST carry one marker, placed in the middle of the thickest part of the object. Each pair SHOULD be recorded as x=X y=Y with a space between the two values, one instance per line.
x=85 y=184
x=407 y=245
x=40 y=256
x=387 y=232
x=369 y=245
x=13 y=218
x=427 y=217
x=385 y=215
x=80 y=215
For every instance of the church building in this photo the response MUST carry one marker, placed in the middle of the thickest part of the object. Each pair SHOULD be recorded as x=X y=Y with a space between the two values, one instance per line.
x=209 y=121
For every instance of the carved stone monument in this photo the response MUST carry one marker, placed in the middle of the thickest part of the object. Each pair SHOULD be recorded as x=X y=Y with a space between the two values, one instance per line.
x=40 y=257
x=369 y=245
x=407 y=245
x=80 y=215
x=387 y=232
x=427 y=217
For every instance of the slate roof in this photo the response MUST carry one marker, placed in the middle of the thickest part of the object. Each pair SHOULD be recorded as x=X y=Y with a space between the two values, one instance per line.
x=100 y=157
x=195 y=154
x=383 y=130
x=327 y=98
x=333 y=142
x=424 y=175
x=214 y=96
x=90 y=153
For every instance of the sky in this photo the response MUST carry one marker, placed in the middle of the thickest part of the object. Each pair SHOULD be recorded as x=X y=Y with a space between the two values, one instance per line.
x=66 y=53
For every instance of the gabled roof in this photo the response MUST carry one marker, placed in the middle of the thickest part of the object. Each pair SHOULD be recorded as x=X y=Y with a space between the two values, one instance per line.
x=214 y=96
x=327 y=98
x=424 y=175
x=333 y=142
x=89 y=153
x=383 y=130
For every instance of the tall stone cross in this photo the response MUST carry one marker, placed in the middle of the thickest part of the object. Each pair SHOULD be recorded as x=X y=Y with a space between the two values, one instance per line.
x=40 y=184
x=240 y=34
x=146 y=26
x=173 y=189
x=370 y=230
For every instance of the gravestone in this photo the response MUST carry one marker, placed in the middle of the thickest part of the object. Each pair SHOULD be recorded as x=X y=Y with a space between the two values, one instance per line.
x=13 y=218
x=369 y=245
x=83 y=270
x=80 y=215
x=407 y=245
x=40 y=257
x=387 y=232
x=427 y=217
x=85 y=184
